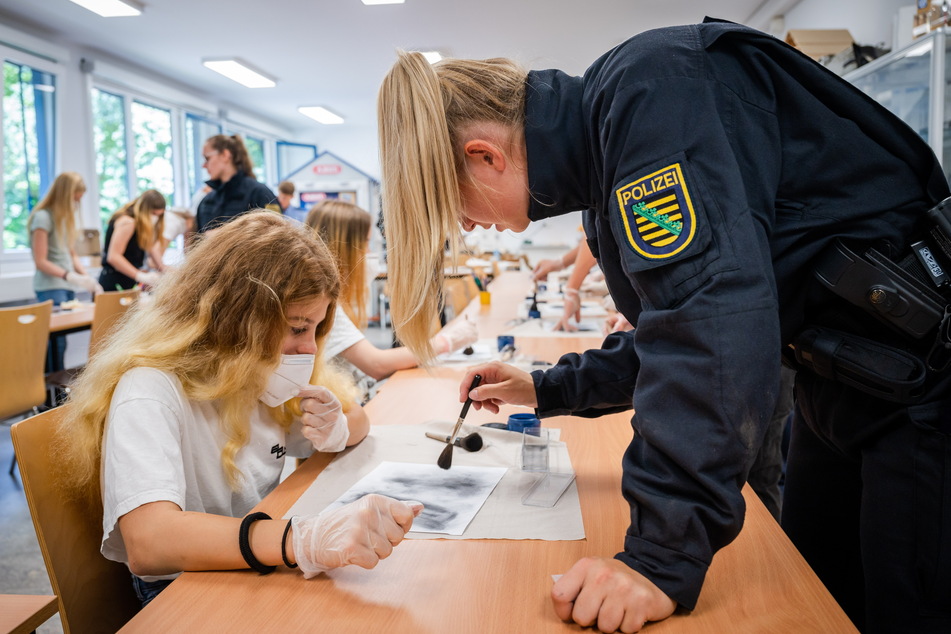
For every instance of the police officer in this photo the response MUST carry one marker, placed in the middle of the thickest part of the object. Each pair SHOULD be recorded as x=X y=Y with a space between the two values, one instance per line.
x=718 y=167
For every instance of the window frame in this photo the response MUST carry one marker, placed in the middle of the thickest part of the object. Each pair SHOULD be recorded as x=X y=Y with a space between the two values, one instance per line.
x=59 y=71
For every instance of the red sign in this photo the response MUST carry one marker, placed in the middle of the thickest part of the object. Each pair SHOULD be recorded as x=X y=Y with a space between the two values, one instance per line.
x=327 y=169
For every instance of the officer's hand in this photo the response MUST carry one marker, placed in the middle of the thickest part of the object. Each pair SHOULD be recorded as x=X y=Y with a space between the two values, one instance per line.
x=500 y=384
x=606 y=593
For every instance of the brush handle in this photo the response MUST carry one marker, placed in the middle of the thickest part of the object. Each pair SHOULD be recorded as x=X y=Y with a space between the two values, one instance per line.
x=465 y=408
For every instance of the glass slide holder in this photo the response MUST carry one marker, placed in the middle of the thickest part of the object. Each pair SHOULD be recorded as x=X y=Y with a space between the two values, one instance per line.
x=536 y=458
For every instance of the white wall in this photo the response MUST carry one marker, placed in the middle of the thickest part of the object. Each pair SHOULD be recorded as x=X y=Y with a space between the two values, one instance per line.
x=869 y=21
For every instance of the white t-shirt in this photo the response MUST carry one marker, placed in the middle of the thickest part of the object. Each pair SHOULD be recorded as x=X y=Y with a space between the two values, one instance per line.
x=160 y=446
x=343 y=335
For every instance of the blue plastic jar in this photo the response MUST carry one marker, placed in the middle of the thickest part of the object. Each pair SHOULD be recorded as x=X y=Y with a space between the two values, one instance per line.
x=522 y=421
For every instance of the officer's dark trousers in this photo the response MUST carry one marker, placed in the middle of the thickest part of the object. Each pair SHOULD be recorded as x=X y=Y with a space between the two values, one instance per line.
x=868 y=502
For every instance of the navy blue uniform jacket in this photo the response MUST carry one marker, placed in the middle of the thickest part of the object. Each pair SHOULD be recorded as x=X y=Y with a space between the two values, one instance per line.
x=714 y=163
x=230 y=199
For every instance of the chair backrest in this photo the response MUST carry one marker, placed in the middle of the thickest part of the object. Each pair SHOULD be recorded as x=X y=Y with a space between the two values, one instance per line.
x=24 y=336
x=95 y=594
x=110 y=306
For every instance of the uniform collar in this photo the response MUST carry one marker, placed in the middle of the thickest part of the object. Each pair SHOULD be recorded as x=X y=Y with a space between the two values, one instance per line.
x=555 y=140
x=218 y=184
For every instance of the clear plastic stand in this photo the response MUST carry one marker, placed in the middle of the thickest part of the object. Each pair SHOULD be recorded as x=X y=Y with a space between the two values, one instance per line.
x=536 y=457
x=549 y=489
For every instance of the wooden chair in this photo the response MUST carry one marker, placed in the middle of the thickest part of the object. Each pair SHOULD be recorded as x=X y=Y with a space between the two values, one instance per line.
x=109 y=307
x=95 y=594
x=24 y=336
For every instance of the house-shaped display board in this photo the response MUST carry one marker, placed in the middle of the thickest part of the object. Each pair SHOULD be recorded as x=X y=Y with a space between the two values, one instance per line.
x=329 y=176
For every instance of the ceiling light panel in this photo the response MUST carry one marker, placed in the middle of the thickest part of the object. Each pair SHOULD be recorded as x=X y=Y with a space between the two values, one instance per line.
x=369 y=2
x=241 y=72
x=111 y=8
x=321 y=115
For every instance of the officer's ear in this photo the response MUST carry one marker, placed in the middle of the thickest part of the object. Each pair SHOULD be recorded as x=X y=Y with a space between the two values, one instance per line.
x=484 y=155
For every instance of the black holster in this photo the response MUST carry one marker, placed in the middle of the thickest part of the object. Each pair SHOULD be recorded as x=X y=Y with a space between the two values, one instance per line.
x=882 y=371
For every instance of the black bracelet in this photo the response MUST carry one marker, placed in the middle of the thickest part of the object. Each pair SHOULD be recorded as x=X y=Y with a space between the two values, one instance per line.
x=244 y=544
x=287 y=529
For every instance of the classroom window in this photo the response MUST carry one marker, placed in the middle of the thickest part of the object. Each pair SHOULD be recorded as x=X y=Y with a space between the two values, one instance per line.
x=109 y=136
x=197 y=131
x=256 y=153
x=293 y=156
x=29 y=135
x=152 y=132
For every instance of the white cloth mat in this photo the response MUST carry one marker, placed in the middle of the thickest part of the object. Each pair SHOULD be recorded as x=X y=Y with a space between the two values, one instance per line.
x=503 y=516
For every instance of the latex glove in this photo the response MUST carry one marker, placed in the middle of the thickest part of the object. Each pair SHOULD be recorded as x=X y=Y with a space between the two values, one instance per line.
x=361 y=533
x=323 y=422
x=572 y=308
x=544 y=267
x=148 y=278
x=616 y=323
x=84 y=282
x=457 y=334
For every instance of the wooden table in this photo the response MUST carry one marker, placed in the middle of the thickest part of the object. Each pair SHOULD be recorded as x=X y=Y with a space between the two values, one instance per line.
x=66 y=321
x=23 y=613
x=759 y=583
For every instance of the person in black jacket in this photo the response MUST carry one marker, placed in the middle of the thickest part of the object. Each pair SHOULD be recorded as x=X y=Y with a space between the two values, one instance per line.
x=716 y=168
x=235 y=189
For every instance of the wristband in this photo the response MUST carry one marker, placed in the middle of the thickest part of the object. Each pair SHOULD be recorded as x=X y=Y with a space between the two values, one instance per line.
x=287 y=529
x=244 y=543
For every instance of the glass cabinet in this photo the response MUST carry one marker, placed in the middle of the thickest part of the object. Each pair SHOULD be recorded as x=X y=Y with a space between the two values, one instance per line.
x=912 y=83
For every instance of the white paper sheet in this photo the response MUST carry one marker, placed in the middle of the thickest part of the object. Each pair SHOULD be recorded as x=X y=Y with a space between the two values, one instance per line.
x=451 y=498
x=502 y=516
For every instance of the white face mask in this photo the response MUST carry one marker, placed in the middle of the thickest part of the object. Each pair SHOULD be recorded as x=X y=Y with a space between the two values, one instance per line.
x=288 y=379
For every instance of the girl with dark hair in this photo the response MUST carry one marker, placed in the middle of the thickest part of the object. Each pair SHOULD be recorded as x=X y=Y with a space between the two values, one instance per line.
x=234 y=188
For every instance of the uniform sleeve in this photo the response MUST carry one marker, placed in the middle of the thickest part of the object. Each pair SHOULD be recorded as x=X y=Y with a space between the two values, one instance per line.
x=706 y=346
x=592 y=384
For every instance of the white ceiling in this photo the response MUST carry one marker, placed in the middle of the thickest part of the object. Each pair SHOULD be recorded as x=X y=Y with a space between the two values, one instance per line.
x=335 y=52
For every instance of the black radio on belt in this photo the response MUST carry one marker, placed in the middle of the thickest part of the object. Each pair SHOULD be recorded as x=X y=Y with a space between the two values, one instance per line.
x=940 y=234
x=910 y=295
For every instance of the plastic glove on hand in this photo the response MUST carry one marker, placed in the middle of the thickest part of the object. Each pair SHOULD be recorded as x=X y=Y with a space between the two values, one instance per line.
x=572 y=309
x=148 y=278
x=83 y=281
x=361 y=533
x=323 y=422
x=543 y=268
x=458 y=334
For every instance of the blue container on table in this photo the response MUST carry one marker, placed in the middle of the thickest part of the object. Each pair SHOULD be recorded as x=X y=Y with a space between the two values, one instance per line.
x=522 y=421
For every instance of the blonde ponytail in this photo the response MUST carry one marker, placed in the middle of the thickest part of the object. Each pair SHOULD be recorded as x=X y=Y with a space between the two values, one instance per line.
x=422 y=109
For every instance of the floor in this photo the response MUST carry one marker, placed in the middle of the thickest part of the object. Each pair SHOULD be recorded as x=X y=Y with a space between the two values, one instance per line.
x=21 y=565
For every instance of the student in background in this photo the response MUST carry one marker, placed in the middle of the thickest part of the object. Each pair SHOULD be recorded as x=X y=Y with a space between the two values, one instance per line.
x=285 y=196
x=52 y=226
x=189 y=411
x=345 y=228
x=235 y=189
x=134 y=234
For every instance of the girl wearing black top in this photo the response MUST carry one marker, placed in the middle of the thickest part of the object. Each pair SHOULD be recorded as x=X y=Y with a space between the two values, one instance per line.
x=134 y=233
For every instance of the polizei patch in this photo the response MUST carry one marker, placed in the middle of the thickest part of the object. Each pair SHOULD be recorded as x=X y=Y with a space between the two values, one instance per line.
x=658 y=214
